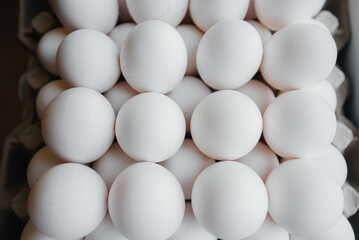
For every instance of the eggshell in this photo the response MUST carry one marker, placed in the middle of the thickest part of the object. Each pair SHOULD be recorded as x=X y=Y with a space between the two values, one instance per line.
x=88 y=58
x=78 y=125
x=188 y=94
x=341 y=230
x=259 y=92
x=229 y=54
x=191 y=37
x=298 y=123
x=68 y=201
x=42 y=161
x=298 y=56
x=100 y=15
x=263 y=31
x=269 y=231
x=105 y=231
x=153 y=57
x=112 y=163
x=190 y=229
x=304 y=198
x=120 y=32
x=31 y=233
x=47 y=48
x=119 y=94
x=326 y=91
x=186 y=165
x=229 y=200
x=47 y=93
x=261 y=159
x=170 y=11
x=276 y=14
x=146 y=202
x=150 y=127
x=206 y=13
x=226 y=125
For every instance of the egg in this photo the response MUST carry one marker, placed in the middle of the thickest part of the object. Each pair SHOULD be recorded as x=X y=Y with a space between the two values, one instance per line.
x=153 y=57
x=146 y=202
x=229 y=200
x=341 y=230
x=99 y=15
x=68 y=201
x=259 y=92
x=120 y=32
x=47 y=48
x=276 y=14
x=263 y=31
x=304 y=198
x=326 y=91
x=191 y=37
x=190 y=229
x=187 y=163
x=119 y=94
x=42 y=161
x=261 y=159
x=47 y=93
x=206 y=13
x=298 y=56
x=298 y=123
x=112 y=163
x=170 y=11
x=89 y=58
x=150 y=127
x=226 y=125
x=78 y=125
x=188 y=94
x=269 y=231
x=229 y=54
x=31 y=233
x=106 y=230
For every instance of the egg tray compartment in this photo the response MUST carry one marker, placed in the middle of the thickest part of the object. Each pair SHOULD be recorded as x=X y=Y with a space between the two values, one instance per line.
x=22 y=143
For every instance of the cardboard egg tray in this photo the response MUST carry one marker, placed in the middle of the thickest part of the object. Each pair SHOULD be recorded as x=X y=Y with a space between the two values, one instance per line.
x=36 y=19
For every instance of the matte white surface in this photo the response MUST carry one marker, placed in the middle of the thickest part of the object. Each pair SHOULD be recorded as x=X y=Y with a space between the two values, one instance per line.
x=119 y=94
x=105 y=231
x=120 y=32
x=269 y=231
x=263 y=31
x=31 y=233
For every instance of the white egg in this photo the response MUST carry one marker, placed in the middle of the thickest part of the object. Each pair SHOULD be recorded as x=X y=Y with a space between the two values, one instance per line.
x=47 y=48
x=229 y=54
x=31 y=233
x=298 y=123
x=251 y=13
x=229 y=200
x=153 y=57
x=100 y=15
x=146 y=202
x=304 y=198
x=298 y=56
x=105 y=231
x=123 y=13
x=186 y=165
x=263 y=31
x=119 y=94
x=78 y=125
x=47 y=93
x=190 y=229
x=259 y=92
x=88 y=58
x=261 y=159
x=206 y=13
x=170 y=11
x=42 y=161
x=191 y=37
x=269 y=231
x=341 y=230
x=150 y=127
x=226 y=125
x=68 y=201
x=120 y=32
x=112 y=163
x=188 y=94
x=276 y=14
x=326 y=91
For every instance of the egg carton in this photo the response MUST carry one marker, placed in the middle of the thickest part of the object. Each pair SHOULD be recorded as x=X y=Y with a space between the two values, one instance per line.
x=36 y=18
